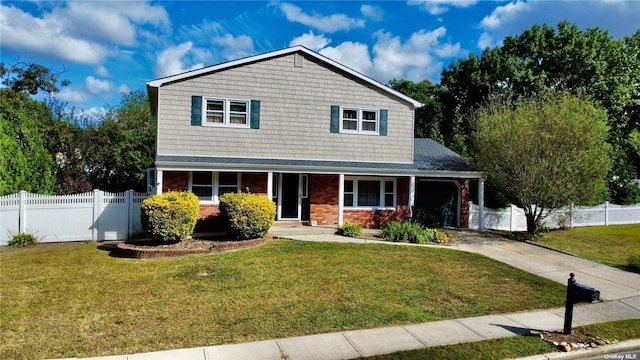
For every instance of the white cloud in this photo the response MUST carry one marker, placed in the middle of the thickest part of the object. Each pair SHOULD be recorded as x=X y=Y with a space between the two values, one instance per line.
x=77 y=31
x=311 y=41
x=171 y=60
x=416 y=59
x=504 y=14
x=234 y=47
x=372 y=12
x=23 y=33
x=94 y=113
x=619 y=17
x=123 y=89
x=72 y=95
x=350 y=54
x=102 y=71
x=328 y=24
x=96 y=86
x=436 y=7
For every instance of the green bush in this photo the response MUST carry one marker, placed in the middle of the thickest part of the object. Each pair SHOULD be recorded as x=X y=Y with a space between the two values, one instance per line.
x=171 y=216
x=634 y=262
x=407 y=232
x=247 y=216
x=350 y=230
x=426 y=219
x=441 y=237
x=22 y=240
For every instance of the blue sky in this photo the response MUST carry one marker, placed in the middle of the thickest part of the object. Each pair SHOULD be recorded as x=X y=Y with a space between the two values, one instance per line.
x=108 y=47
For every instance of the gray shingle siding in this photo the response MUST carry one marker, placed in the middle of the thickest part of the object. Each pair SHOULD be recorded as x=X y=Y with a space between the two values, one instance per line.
x=294 y=116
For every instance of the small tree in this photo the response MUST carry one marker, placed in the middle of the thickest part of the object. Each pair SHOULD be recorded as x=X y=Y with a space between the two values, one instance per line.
x=545 y=153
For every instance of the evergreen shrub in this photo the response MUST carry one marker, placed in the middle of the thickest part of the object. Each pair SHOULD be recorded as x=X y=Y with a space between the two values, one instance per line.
x=247 y=216
x=171 y=216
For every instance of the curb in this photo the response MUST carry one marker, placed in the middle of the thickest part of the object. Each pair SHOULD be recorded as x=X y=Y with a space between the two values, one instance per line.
x=621 y=347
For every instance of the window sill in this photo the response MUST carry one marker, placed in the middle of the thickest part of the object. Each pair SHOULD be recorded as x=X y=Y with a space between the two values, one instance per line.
x=236 y=126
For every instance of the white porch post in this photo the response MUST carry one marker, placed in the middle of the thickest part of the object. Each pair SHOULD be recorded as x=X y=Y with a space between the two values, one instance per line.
x=412 y=192
x=481 y=205
x=340 y=200
x=270 y=185
x=159 y=178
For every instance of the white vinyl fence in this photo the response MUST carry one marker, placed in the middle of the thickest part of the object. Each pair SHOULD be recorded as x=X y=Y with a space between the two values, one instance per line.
x=95 y=215
x=512 y=217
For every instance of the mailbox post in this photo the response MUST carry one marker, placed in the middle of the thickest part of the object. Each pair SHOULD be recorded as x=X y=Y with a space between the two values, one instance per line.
x=577 y=293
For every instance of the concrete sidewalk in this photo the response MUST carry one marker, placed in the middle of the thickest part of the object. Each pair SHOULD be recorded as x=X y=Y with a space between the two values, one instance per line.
x=621 y=288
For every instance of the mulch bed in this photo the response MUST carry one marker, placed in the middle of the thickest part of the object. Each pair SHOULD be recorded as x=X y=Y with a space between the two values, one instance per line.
x=148 y=249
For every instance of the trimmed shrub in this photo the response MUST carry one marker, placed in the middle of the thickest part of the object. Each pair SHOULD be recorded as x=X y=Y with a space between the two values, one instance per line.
x=407 y=232
x=22 y=240
x=247 y=216
x=171 y=216
x=350 y=230
x=634 y=262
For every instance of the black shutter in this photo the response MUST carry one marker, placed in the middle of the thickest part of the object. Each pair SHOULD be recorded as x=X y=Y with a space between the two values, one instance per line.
x=196 y=110
x=383 y=122
x=255 y=114
x=335 y=118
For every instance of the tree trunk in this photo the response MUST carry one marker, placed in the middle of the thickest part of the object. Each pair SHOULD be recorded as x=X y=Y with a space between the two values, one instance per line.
x=532 y=224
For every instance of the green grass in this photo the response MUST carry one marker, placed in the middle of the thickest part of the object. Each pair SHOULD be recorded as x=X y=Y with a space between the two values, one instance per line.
x=71 y=300
x=515 y=346
x=608 y=244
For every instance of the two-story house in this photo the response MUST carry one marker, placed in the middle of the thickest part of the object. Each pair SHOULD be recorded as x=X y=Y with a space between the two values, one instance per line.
x=326 y=143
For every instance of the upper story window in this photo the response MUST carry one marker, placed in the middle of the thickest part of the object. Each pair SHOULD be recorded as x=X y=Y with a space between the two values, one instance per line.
x=370 y=192
x=358 y=120
x=208 y=186
x=226 y=112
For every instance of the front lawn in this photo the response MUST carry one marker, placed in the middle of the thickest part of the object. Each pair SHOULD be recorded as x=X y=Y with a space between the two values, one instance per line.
x=73 y=300
x=608 y=244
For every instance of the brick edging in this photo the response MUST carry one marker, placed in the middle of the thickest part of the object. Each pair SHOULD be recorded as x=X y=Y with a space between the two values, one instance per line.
x=132 y=251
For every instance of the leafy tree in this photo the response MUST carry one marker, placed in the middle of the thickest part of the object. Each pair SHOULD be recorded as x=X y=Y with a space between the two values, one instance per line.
x=30 y=78
x=122 y=146
x=544 y=152
x=429 y=118
x=26 y=163
x=543 y=60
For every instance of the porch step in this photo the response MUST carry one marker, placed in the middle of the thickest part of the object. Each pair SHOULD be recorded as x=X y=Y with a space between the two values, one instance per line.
x=289 y=223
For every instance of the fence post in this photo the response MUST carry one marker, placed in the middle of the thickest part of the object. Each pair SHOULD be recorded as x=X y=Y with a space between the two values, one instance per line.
x=22 y=214
x=606 y=213
x=128 y=198
x=571 y=216
x=97 y=209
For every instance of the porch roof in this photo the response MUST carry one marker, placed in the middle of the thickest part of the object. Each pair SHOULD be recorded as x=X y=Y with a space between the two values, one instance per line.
x=430 y=159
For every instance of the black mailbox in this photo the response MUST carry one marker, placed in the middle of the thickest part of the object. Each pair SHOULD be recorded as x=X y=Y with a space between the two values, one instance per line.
x=577 y=293
x=581 y=293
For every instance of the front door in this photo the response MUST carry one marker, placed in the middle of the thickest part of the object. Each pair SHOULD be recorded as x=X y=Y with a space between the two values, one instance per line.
x=289 y=196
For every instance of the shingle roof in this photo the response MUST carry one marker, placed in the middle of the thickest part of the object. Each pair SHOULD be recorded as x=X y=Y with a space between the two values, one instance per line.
x=430 y=159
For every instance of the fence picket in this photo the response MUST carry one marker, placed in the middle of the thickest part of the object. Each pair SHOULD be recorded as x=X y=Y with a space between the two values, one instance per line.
x=512 y=218
x=95 y=215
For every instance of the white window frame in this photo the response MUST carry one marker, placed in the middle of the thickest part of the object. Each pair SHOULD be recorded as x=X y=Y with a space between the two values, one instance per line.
x=382 y=181
x=226 y=116
x=215 y=187
x=359 y=119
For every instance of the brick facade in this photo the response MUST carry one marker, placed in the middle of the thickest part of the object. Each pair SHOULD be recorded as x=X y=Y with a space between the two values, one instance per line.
x=374 y=219
x=323 y=197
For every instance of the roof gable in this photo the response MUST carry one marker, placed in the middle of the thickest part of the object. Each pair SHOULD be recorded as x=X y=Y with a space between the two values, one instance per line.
x=152 y=86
